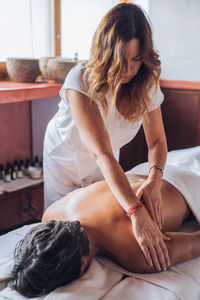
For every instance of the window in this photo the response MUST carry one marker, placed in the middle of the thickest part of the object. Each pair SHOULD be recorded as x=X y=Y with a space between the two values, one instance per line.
x=26 y=28
x=79 y=20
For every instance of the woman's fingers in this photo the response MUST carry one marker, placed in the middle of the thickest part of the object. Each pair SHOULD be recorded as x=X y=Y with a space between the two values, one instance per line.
x=162 y=255
x=158 y=213
x=139 y=193
x=166 y=237
x=151 y=240
x=166 y=253
x=147 y=255
x=155 y=255
x=159 y=255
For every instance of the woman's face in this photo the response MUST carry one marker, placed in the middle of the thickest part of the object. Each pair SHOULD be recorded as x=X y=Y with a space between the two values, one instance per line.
x=133 y=59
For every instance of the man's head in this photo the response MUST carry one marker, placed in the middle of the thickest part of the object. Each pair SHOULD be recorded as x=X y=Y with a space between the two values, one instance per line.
x=49 y=256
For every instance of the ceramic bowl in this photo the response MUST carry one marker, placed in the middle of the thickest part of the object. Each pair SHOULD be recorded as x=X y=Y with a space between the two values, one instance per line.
x=59 y=68
x=35 y=173
x=22 y=69
x=43 y=64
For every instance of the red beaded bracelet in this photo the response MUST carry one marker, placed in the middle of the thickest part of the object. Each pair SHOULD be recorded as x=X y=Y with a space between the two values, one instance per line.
x=133 y=208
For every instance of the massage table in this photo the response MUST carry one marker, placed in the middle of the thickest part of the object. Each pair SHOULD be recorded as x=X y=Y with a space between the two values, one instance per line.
x=108 y=281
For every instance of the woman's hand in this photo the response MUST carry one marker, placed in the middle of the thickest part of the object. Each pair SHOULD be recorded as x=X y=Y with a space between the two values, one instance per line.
x=150 y=239
x=150 y=192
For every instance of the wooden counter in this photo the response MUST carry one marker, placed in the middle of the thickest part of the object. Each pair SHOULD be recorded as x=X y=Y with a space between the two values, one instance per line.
x=11 y=92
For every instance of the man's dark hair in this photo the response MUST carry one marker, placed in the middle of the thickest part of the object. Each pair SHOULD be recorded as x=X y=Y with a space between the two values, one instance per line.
x=49 y=256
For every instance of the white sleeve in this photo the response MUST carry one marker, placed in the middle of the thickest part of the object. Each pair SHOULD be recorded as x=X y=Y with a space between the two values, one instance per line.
x=73 y=81
x=156 y=96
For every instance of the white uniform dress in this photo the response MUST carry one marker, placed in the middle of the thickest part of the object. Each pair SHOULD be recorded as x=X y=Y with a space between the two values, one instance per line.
x=66 y=161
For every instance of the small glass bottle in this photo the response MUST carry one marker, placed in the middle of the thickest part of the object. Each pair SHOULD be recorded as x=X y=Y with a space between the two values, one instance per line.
x=2 y=172
x=7 y=177
x=13 y=173
x=27 y=165
x=16 y=165
x=8 y=166
x=36 y=162
x=22 y=164
x=19 y=172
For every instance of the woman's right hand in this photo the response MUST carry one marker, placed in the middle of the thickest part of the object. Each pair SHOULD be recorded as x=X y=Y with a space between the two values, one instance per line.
x=150 y=239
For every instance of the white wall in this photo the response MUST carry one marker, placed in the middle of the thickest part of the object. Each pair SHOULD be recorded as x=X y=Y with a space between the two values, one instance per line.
x=41 y=113
x=176 y=26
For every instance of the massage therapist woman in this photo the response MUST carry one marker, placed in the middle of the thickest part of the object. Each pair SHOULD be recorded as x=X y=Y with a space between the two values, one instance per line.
x=103 y=104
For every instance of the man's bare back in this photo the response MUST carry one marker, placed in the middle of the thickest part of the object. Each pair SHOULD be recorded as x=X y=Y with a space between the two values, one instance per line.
x=107 y=223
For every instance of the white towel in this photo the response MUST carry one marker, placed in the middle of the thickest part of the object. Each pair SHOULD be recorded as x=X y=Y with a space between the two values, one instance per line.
x=188 y=159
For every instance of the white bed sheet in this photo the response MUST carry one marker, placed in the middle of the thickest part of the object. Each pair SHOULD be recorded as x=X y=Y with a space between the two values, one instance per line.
x=104 y=281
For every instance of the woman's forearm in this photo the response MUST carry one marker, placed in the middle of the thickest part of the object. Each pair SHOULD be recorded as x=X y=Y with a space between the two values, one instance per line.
x=117 y=180
x=157 y=156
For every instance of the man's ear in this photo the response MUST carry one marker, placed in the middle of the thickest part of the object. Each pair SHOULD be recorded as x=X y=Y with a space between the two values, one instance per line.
x=84 y=261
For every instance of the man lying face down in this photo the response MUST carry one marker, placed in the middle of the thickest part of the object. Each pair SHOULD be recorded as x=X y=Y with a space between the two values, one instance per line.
x=88 y=222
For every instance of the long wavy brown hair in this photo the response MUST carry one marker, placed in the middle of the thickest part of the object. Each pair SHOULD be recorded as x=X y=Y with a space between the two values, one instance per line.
x=107 y=62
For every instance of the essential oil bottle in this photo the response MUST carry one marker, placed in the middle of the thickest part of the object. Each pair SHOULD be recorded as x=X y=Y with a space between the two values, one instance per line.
x=19 y=172
x=8 y=166
x=36 y=162
x=16 y=165
x=7 y=177
x=2 y=172
x=13 y=173
x=27 y=165
x=22 y=165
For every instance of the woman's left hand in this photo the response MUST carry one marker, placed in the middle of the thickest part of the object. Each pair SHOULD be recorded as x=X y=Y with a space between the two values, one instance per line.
x=150 y=192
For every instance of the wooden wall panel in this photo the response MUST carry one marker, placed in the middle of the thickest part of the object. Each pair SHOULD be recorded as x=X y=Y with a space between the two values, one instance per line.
x=15 y=132
x=181 y=117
